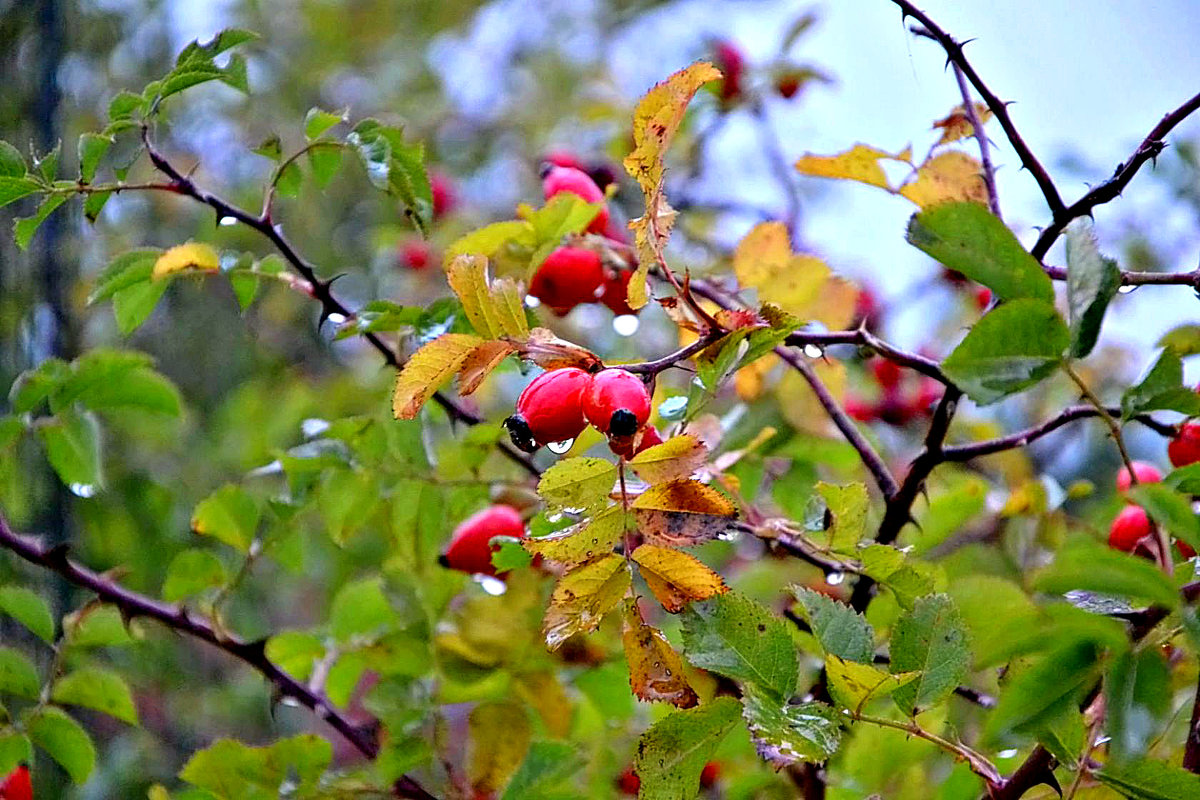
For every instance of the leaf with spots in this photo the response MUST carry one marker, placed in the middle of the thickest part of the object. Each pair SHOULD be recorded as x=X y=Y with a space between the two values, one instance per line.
x=480 y=363
x=734 y=636
x=583 y=597
x=676 y=458
x=672 y=753
x=584 y=541
x=785 y=734
x=852 y=685
x=841 y=630
x=946 y=178
x=848 y=506
x=957 y=125
x=427 y=369
x=931 y=639
x=579 y=483
x=655 y=670
x=682 y=513
x=675 y=577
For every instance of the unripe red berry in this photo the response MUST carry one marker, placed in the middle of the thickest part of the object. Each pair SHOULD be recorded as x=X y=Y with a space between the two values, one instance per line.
x=579 y=183
x=1128 y=528
x=569 y=276
x=887 y=373
x=17 y=784
x=1145 y=473
x=444 y=199
x=710 y=774
x=732 y=63
x=550 y=409
x=1184 y=449
x=624 y=445
x=617 y=402
x=616 y=292
x=414 y=254
x=628 y=782
x=469 y=550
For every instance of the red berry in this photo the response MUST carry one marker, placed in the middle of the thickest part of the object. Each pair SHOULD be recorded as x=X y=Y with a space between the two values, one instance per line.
x=787 y=86
x=415 y=254
x=17 y=785
x=624 y=445
x=569 y=276
x=550 y=409
x=444 y=200
x=929 y=392
x=866 y=308
x=579 y=183
x=860 y=409
x=1184 y=449
x=1130 y=527
x=565 y=158
x=710 y=774
x=732 y=63
x=1184 y=549
x=469 y=550
x=617 y=402
x=616 y=292
x=983 y=297
x=1145 y=473
x=887 y=373
x=628 y=782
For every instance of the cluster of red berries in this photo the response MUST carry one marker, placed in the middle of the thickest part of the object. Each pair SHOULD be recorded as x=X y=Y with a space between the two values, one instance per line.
x=17 y=785
x=901 y=398
x=571 y=276
x=470 y=549
x=559 y=404
x=1132 y=526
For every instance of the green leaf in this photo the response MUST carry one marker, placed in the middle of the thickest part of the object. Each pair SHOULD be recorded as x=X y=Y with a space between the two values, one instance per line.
x=295 y=652
x=289 y=180
x=841 y=630
x=346 y=500
x=122 y=106
x=394 y=166
x=1092 y=282
x=190 y=573
x=853 y=685
x=1047 y=686
x=1138 y=693
x=28 y=609
x=133 y=305
x=671 y=754
x=1185 y=479
x=546 y=766
x=931 y=639
x=1170 y=509
x=736 y=637
x=233 y=771
x=360 y=608
x=1012 y=348
x=785 y=734
x=968 y=238
x=993 y=635
x=245 y=288
x=578 y=483
x=15 y=749
x=12 y=163
x=1182 y=340
x=104 y=379
x=92 y=147
x=17 y=674
x=1161 y=390
x=271 y=148
x=908 y=579
x=325 y=161
x=65 y=740
x=1145 y=779
x=127 y=269
x=318 y=121
x=510 y=555
x=229 y=515
x=13 y=188
x=96 y=626
x=498 y=736
x=1088 y=565
x=848 y=505
x=98 y=689
x=47 y=165
x=72 y=442
x=25 y=227
x=305 y=755
x=11 y=428
x=948 y=511
x=34 y=386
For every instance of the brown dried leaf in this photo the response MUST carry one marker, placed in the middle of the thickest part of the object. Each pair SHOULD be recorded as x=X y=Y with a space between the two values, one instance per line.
x=583 y=596
x=428 y=369
x=675 y=577
x=678 y=457
x=655 y=669
x=480 y=363
x=550 y=352
x=957 y=126
x=682 y=513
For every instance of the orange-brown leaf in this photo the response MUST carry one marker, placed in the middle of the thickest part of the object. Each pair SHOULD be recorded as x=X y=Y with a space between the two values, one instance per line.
x=675 y=577
x=956 y=125
x=655 y=669
x=550 y=352
x=682 y=513
x=428 y=369
x=480 y=363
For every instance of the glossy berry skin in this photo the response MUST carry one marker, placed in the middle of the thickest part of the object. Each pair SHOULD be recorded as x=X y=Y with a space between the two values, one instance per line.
x=569 y=276
x=1130 y=527
x=1145 y=473
x=1184 y=549
x=624 y=445
x=1184 y=449
x=444 y=200
x=577 y=182
x=616 y=293
x=469 y=550
x=617 y=402
x=415 y=255
x=550 y=409
x=17 y=785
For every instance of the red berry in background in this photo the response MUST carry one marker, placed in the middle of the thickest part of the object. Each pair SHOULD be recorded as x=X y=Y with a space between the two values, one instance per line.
x=628 y=782
x=557 y=180
x=983 y=297
x=550 y=409
x=624 y=445
x=887 y=373
x=710 y=774
x=1128 y=528
x=565 y=158
x=1184 y=549
x=569 y=276
x=787 y=85
x=929 y=392
x=1145 y=473
x=469 y=550
x=732 y=63
x=860 y=409
x=17 y=785
x=866 y=308
x=1184 y=449
x=444 y=199
x=616 y=293
x=617 y=402
x=415 y=254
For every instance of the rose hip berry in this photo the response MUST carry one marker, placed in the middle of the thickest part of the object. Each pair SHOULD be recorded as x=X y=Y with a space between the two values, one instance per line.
x=628 y=782
x=625 y=447
x=569 y=276
x=1128 y=528
x=616 y=293
x=444 y=199
x=732 y=63
x=469 y=549
x=1184 y=449
x=415 y=255
x=550 y=409
x=556 y=180
x=1145 y=473
x=17 y=785
x=887 y=373
x=617 y=402
x=710 y=774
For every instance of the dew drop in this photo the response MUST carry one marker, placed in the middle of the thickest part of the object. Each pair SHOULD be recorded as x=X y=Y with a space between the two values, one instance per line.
x=1103 y=740
x=288 y=700
x=558 y=448
x=336 y=318
x=813 y=351
x=1127 y=288
x=553 y=518
x=83 y=489
x=313 y=427
x=626 y=325
x=493 y=586
x=226 y=221
x=531 y=301
x=835 y=578
x=1007 y=753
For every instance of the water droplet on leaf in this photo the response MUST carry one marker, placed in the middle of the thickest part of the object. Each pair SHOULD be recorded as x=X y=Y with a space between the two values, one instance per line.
x=83 y=489
x=493 y=586
x=558 y=448
x=1127 y=288
x=835 y=578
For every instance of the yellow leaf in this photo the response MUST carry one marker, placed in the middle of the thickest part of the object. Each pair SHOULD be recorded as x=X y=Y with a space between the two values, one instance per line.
x=490 y=239
x=582 y=483
x=947 y=177
x=957 y=126
x=675 y=577
x=657 y=118
x=494 y=309
x=859 y=163
x=583 y=596
x=799 y=405
x=543 y=691
x=681 y=513
x=678 y=457
x=655 y=669
x=685 y=495
x=498 y=737
x=800 y=285
x=428 y=369
x=650 y=234
x=480 y=363
x=853 y=685
x=581 y=542
x=509 y=298
x=192 y=255
x=750 y=381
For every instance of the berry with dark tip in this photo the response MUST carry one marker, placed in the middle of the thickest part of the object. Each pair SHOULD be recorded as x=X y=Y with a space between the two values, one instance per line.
x=550 y=409
x=617 y=402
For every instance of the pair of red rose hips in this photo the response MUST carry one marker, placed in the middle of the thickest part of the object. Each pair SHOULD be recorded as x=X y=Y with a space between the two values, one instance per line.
x=559 y=404
x=1130 y=528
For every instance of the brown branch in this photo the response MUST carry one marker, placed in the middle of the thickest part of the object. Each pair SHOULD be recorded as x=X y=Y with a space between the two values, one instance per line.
x=179 y=618
x=954 y=53
x=1148 y=150
x=671 y=359
x=864 y=338
x=1189 y=278
x=985 y=154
